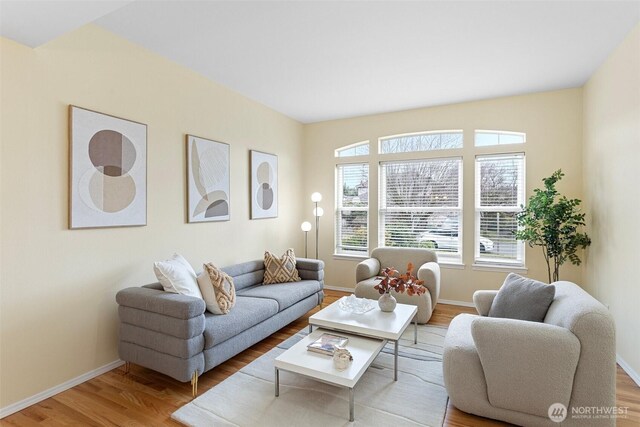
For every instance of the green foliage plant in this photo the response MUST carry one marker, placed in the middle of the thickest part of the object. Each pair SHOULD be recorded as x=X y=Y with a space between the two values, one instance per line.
x=552 y=222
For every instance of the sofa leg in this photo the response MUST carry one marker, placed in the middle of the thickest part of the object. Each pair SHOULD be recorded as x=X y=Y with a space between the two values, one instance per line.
x=194 y=384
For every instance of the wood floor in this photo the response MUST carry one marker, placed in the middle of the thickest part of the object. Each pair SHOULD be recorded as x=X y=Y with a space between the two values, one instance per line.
x=145 y=398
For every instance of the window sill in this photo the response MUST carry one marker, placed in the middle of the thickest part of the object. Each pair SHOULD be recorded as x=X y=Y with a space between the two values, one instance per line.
x=453 y=265
x=500 y=268
x=350 y=257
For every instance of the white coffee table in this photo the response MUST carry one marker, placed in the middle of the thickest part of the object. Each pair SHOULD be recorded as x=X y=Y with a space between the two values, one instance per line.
x=320 y=367
x=374 y=324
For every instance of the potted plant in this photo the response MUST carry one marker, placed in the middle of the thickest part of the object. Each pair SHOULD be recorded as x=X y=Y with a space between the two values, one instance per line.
x=393 y=280
x=551 y=221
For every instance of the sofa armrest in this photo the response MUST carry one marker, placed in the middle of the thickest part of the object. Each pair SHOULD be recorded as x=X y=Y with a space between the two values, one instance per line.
x=309 y=264
x=367 y=269
x=483 y=301
x=161 y=302
x=310 y=269
x=528 y=366
x=430 y=273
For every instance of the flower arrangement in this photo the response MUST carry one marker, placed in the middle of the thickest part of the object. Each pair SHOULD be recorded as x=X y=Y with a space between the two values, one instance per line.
x=393 y=280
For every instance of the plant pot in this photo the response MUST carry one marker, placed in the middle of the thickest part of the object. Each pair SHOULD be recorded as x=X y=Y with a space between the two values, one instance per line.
x=387 y=302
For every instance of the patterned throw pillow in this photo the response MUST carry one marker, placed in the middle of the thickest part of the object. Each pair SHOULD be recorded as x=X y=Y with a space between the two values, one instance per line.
x=218 y=290
x=280 y=270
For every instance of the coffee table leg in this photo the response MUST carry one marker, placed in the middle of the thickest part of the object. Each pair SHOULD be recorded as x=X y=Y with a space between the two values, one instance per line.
x=395 y=361
x=310 y=328
x=351 y=405
x=277 y=382
x=415 y=333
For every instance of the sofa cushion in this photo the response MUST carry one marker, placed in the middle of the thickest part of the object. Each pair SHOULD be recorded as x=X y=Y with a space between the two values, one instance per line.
x=177 y=276
x=246 y=274
x=246 y=313
x=522 y=299
x=286 y=294
x=217 y=289
x=280 y=270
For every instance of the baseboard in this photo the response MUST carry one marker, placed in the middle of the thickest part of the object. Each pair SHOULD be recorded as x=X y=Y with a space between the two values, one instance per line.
x=19 y=406
x=628 y=369
x=454 y=302
x=337 y=288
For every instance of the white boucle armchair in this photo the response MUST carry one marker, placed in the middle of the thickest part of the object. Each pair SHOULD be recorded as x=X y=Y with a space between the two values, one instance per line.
x=426 y=268
x=514 y=370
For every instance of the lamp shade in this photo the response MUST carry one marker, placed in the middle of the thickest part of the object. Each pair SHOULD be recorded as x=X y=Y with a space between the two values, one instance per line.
x=316 y=197
x=318 y=211
x=306 y=226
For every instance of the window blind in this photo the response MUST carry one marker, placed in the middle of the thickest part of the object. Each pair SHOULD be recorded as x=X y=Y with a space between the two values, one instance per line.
x=421 y=204
x=352 y=208
x=500 y=191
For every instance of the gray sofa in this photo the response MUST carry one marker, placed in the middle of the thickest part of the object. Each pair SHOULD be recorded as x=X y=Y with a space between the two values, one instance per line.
x=514 y=370
x=173 y=334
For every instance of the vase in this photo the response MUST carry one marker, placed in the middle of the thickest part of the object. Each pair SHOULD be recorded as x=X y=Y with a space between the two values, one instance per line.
x=387 y=302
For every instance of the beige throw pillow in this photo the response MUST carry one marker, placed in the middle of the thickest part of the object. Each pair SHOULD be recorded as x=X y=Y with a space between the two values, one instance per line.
x=218 y=290
x=280 y=270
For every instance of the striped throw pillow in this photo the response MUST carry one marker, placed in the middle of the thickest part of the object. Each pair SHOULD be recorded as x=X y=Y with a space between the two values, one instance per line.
x=280 y=270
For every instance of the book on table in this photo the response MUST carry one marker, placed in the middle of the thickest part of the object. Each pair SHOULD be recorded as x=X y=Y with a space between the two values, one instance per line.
x=327 y=344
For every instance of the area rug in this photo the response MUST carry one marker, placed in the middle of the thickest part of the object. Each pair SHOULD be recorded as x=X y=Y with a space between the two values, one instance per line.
x=247 y=398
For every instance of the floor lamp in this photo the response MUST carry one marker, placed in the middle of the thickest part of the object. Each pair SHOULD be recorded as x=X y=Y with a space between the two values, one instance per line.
x=317 y=212
x=306 y=227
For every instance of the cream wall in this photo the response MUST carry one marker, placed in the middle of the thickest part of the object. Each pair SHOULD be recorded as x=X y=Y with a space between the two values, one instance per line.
x=58 y=313
x=552 y=121
x=611 y=179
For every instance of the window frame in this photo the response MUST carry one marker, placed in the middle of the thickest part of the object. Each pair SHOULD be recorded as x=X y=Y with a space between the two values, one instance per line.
x=336 y=152
x=499 y=133
x=446 y=257
x=478 y=259
x=430 y=132
x=338 y=192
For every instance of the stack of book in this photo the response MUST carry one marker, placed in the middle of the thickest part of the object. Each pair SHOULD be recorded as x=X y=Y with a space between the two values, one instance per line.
x=327 y=344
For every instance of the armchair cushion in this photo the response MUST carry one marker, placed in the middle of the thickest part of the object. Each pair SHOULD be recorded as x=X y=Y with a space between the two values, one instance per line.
x=367 y=269
x=483 y=301
x=522 y=298
x=527 y=366
x=430 y=274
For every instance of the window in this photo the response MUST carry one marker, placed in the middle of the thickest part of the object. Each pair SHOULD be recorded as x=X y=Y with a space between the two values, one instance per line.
x=421 y=205
x=485 y=138
x=357 y=149
x=499 y=195
x=352 y=209
x=424 y=141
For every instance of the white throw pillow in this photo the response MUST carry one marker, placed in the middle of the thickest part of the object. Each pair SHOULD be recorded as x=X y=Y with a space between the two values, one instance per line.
x=218 y=290
x=176 y=275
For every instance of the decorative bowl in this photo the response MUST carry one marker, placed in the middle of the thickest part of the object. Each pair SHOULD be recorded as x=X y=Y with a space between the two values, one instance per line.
x=352 y=304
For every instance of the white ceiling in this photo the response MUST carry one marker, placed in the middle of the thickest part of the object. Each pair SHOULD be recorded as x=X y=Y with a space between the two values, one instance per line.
x=36 y=22
x=320 y=60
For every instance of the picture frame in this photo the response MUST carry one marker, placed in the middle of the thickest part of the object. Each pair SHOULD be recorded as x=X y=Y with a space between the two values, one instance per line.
x=264 y=185
x=208 y=180
x=107 y=170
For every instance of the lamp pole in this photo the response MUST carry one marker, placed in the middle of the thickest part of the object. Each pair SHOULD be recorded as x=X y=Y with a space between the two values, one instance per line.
x=306 y=226
x=317 y=227
x=317 y=212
